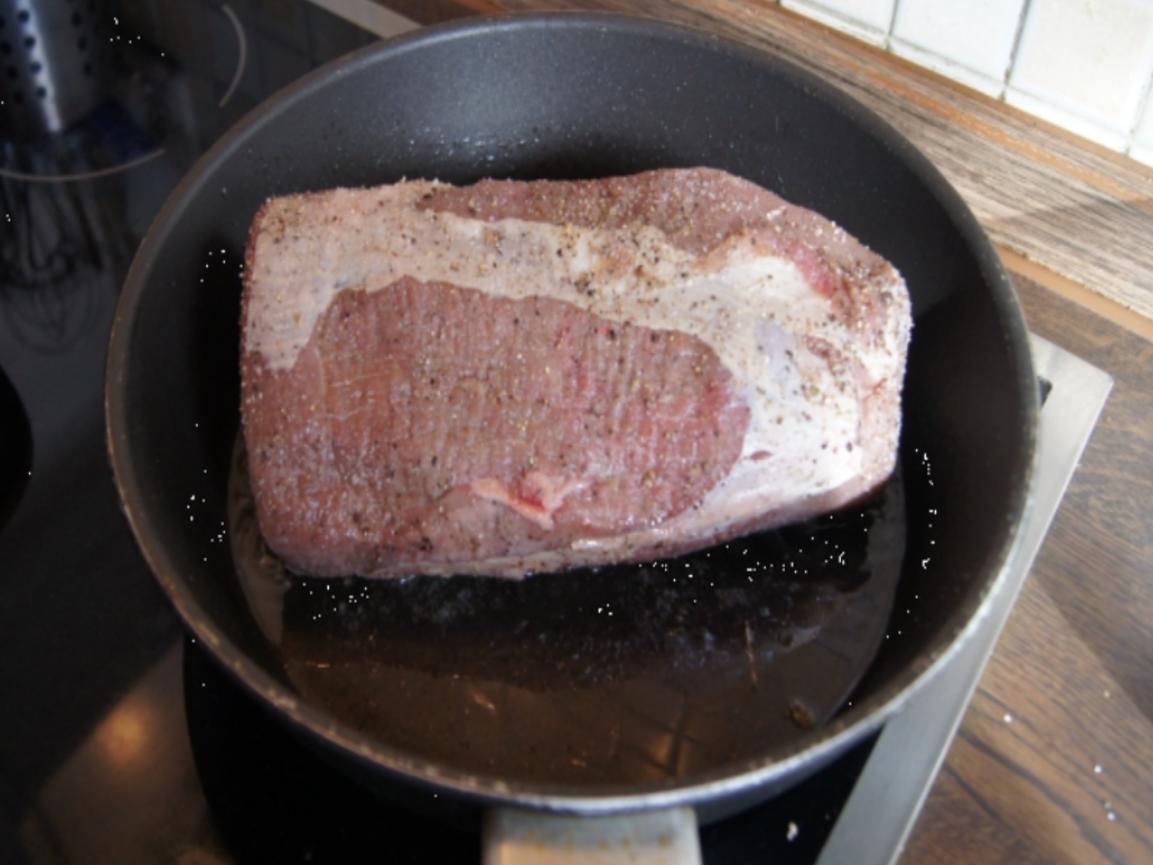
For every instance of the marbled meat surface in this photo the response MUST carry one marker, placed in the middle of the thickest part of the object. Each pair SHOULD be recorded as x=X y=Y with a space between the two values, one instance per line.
x=514 y=377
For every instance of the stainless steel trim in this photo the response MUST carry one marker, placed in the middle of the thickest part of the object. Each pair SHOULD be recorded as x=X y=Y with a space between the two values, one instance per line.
x=883 y=807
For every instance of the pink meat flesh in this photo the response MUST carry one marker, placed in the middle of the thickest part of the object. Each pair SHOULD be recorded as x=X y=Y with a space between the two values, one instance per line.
x=513 y=377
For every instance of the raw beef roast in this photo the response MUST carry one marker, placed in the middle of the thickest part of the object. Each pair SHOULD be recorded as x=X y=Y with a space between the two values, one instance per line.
x=529 y=376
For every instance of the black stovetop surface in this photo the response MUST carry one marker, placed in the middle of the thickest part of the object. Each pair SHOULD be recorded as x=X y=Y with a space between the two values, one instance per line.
x=121 y=741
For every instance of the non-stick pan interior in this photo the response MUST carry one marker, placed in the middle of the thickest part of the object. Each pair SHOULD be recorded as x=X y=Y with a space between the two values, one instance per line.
x=564 y=97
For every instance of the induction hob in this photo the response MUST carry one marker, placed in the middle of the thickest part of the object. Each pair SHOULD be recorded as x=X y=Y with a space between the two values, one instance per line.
x=120 y=740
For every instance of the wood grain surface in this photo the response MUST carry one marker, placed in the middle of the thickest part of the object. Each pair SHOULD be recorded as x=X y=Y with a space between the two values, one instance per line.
x=1054 y=760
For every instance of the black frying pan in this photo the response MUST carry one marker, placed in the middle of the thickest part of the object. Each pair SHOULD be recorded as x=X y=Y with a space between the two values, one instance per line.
x=710 y=681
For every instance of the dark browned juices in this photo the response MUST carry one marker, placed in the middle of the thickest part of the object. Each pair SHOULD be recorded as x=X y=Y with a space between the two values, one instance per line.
x=618 y=675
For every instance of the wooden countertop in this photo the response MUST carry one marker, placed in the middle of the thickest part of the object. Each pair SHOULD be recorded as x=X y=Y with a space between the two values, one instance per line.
x=1069 y=779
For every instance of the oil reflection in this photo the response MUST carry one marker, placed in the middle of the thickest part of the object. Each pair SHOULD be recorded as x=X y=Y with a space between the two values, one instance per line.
x=617 y=675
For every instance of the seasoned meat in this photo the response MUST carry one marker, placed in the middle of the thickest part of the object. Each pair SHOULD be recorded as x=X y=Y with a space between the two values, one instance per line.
x=529 y=376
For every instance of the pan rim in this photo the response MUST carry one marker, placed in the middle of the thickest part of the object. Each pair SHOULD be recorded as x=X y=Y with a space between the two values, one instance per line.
x=847 y=728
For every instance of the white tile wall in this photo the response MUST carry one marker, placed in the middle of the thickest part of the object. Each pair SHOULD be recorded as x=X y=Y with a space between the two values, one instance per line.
x=972 y=41
x=1086 y=65
x=947 y=66
x=866 y=19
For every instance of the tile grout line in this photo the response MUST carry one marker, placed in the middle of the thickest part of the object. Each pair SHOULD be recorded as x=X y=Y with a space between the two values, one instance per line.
x=892 y=25
x=1144 y=110
x=1026 y=8
x=1070 y=116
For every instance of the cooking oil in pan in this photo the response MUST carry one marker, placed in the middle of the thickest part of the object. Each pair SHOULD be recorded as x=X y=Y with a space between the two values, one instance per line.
x=625 y=674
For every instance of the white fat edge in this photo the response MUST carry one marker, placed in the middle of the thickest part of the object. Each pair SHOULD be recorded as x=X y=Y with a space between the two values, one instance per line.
x=747 y=307
x=883 y=362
